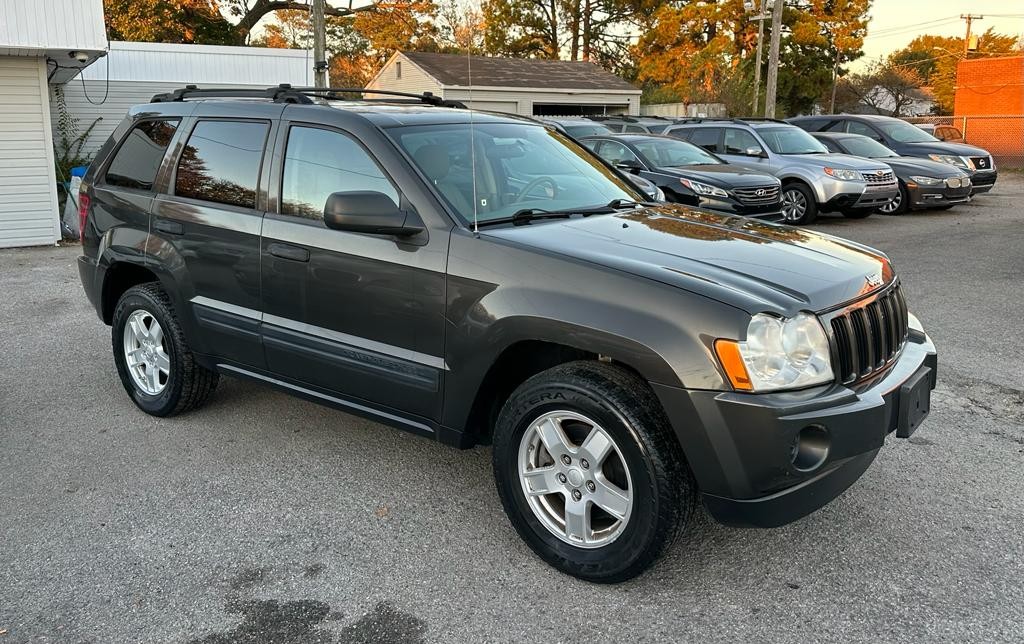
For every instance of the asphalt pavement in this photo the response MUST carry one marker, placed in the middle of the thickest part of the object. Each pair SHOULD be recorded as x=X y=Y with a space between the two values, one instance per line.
x=266 y=519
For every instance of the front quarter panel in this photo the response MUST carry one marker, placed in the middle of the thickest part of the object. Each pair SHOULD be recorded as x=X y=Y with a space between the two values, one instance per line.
x=501 y=293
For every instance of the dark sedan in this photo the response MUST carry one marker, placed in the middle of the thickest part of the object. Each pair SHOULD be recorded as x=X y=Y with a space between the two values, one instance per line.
x=691 y=175
x=923 y=183
x=909 y=140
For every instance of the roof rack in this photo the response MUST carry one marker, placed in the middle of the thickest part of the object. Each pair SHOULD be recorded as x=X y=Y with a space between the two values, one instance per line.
x=285 y=93
x=725 y=119
x=627 y=118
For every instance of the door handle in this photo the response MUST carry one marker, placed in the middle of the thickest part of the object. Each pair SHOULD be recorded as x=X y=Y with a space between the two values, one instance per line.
x=169 y=227
x=287 y=251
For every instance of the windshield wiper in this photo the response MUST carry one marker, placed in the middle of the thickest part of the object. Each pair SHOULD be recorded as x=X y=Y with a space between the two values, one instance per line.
x=525 y=216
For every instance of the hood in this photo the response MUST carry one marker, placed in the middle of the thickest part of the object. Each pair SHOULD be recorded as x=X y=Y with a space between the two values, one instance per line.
x=906 y=166
x=753 y=265
x=845 y=161
x=721 y=174
x=943 y=147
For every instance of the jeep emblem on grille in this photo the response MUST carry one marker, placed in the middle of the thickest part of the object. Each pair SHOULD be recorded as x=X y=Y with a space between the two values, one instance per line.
x=760 y=192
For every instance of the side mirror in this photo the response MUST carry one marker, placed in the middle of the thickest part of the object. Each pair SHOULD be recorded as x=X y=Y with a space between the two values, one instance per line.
x=368 y=211
x=629 y=165
x=754 y=151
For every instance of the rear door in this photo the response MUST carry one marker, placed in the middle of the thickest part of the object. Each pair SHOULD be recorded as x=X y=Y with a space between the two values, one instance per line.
x=208 y=225
x=355 y=314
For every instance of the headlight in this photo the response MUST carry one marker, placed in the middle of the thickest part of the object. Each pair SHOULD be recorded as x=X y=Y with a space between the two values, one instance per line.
x=927 y=181
x=952 y=159
x=845 y=175
x=703 y=188
x=659 y=194
x=778 y=354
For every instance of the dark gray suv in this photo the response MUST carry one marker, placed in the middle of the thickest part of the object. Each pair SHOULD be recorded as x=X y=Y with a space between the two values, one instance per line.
x=478 y=279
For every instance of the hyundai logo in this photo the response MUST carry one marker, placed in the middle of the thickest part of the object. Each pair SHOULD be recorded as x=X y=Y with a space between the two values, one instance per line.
x=760 y=192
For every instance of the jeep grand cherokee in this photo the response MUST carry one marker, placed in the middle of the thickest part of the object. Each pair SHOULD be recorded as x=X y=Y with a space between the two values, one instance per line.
x=399 y=261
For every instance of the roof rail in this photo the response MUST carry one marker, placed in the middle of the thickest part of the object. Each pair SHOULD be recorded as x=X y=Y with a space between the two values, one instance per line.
x=725 y=119
x=285 y=93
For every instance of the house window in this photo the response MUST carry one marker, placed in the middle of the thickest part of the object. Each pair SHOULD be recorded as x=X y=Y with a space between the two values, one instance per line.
x=398 y=70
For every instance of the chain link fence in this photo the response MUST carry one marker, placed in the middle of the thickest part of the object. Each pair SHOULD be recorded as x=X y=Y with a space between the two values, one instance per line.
x=1002 y=136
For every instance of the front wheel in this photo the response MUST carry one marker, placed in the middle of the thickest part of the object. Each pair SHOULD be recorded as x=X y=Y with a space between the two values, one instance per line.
x=899 y=204
x=589 y=472
x=798 y=205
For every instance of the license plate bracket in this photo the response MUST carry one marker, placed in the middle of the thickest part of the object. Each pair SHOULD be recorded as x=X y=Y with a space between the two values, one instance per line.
x=915 y=402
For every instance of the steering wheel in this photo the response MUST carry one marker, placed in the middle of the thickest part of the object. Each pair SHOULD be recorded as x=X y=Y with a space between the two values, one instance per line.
x=534 y=184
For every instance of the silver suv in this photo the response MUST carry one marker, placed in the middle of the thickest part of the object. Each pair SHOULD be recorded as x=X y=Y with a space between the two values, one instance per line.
x=813 y=180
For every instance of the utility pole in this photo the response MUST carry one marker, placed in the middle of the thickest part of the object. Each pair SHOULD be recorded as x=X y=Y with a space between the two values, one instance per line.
x=967 y=39
x=773 y=60
x=760 y=18
x=319 y=44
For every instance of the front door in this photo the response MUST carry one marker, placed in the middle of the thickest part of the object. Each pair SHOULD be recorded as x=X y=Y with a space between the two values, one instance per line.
x=355 y=314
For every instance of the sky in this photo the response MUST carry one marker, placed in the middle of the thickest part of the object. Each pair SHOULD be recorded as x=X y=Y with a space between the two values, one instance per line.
x=894 y=23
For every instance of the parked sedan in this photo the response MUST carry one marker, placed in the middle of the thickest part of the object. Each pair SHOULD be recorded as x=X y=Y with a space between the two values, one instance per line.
x=923 y=183
x=690 y=175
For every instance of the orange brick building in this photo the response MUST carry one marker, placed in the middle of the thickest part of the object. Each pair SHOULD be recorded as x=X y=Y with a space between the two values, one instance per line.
x=989 y=106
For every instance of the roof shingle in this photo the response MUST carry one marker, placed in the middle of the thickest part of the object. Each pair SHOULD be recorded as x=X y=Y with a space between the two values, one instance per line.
x=454 y=69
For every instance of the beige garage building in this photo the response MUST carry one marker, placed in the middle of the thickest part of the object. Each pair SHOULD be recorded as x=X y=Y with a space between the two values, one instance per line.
x=530 y=87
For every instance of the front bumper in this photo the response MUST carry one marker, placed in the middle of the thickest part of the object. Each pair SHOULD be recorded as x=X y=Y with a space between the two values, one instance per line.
x=983 y=181
x=739 y=446
x=932 y=196
x=854 y=195
x=767 y=212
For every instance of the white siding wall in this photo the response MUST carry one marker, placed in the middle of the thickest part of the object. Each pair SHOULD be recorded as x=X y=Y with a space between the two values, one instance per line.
x=413 y=78
x=122 y=95
x=28 y=193
x=525 y=99
x=52 y=24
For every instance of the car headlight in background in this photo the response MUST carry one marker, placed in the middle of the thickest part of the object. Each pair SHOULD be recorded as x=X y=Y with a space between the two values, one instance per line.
x=952 y=159
x=929 y=181
x=703 y=188
x=777 y=354
x=659 y=194
x=844 y=175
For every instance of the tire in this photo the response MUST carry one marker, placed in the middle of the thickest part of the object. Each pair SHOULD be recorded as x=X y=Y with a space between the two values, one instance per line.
x=798 y=204
x=645 y=462
x=901 y=202
x=860 y=213
x=185 y=384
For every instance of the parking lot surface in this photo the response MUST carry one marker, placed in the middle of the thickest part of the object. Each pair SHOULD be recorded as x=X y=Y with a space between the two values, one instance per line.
x=263 y=518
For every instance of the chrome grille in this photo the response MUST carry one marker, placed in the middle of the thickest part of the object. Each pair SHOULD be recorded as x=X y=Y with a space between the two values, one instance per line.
x=757 y=194
x=868 y=335
x=879 y=176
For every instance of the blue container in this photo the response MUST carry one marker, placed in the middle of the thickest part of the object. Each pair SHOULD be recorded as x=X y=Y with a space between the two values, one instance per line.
x=79 y=171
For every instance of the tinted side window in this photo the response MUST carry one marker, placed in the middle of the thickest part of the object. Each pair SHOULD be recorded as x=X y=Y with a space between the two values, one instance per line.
x=138 y=159
x=639 y=129
x=856 y=127
x=831 y=145
x=221 y=162
x=707 y=138
x=614 y=152
x=319 y=162
x=737 y=141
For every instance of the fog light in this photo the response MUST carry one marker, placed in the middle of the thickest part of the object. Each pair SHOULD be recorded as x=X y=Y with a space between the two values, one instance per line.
x=810 y=448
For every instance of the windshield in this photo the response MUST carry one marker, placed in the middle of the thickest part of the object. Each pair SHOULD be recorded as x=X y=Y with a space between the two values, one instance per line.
x=673 y=152
x=580 y=131
x=904 y=132
x=790 y=140
x=517 y=166
x=861 y=146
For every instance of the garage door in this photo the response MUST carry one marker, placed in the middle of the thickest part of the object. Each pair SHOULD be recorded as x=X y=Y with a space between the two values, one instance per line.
x=28 y=196
x=510 y=107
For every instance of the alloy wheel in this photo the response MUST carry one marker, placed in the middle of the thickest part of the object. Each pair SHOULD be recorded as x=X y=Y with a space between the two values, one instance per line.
x=794 y=205
x=575 y=479
x=893 y=205
x=145 y=352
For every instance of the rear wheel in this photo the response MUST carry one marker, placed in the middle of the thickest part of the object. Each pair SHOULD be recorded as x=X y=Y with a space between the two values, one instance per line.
x=798 y=205
x=899 y=203
x=155 y=364
x=589 y=472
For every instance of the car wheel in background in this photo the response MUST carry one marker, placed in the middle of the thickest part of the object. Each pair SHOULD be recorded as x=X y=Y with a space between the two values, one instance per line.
x=798 y=205
x=589 y=471
x=156 y=367
x=899 y=203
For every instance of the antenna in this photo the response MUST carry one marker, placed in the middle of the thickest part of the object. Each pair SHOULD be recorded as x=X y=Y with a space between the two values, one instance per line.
x=472 y=138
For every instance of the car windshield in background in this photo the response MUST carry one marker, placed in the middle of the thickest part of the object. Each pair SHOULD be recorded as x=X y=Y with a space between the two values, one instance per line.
x=861 y=146
x=791 y=140
x=580 y=131
x=905 y=132
x=673 y=153
x=517 y=167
